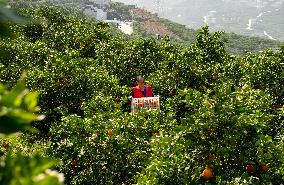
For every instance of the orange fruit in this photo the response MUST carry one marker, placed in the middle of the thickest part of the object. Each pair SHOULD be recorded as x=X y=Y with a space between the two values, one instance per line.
x=249 y=168
x=109 y=132
x=74 y=162
x=207 y=173
x=264 y=168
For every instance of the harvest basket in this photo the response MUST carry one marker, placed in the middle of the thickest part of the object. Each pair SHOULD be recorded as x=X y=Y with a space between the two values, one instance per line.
x=147 y=103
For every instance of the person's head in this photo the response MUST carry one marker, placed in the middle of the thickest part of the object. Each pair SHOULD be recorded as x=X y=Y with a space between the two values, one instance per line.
x=140 y=82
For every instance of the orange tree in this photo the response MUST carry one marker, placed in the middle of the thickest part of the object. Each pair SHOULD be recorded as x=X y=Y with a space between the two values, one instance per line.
x=109 y=147
x=18 y=108
x=218 y=111
x=59 y=53
x=237 y=118
x=228 y=122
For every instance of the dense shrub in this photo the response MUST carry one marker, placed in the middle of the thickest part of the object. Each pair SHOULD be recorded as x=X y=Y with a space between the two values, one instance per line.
x=20 y=164
x=106 y=148
x=224 y=128
x=217 y=110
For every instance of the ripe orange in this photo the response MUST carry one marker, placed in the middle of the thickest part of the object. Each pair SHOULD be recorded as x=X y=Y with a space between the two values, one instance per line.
x=249 y=168
x=109 y=132
x=74 y=162
x=207 y=173
x=264 y=168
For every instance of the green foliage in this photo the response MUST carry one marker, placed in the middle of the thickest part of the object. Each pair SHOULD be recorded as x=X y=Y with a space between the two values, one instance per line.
x=237 y=44
x=120 y=11
x=17 y=111
x=212 y=104
x=28 y=170
x=229 y=124
x=17 y=108
x=106 y=148
x=170 y=162
x=128 y=59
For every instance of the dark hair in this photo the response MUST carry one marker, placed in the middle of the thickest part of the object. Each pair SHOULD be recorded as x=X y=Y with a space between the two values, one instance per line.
x=140 y=78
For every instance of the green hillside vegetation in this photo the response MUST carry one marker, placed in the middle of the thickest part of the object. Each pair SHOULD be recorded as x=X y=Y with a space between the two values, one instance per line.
x=147 y=24
x=235 y=44
x=221 y=117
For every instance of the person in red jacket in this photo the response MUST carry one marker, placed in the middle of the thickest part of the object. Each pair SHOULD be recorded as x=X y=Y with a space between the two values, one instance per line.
x=141 y=90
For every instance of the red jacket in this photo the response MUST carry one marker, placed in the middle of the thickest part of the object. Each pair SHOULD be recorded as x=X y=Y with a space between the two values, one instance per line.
x=137 y=93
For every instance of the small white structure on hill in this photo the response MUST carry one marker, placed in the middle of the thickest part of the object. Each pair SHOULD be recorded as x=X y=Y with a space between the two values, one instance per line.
x=125 y=26
x=98 y=9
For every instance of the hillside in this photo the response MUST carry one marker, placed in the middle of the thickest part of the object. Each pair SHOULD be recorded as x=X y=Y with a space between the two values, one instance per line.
x=148 y=24
x=261 y=18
